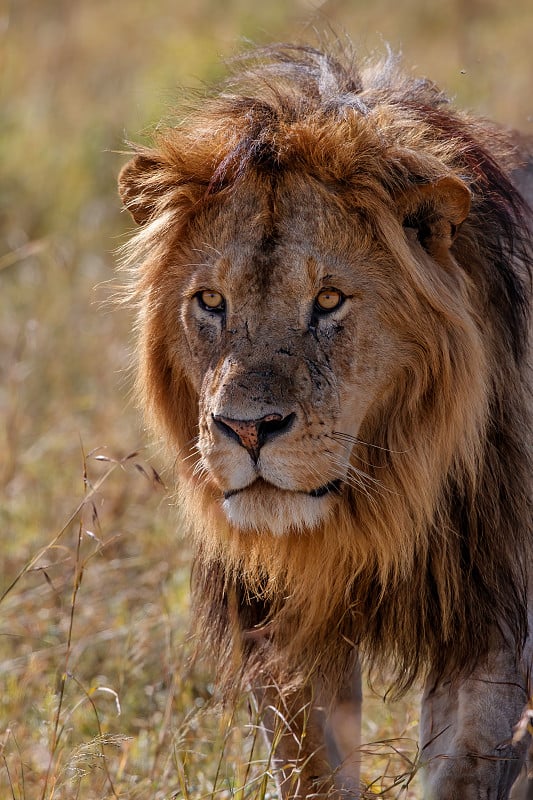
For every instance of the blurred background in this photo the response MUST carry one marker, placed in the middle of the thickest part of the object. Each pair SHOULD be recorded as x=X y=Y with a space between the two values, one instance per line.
x=98 y=697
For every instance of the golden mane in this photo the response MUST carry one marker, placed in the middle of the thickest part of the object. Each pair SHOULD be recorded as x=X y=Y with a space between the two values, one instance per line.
x=420 y=572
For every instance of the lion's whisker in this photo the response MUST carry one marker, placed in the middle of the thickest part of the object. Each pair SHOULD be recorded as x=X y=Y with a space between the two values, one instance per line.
x=194 y=454
x=350 y=468
x=355 y=440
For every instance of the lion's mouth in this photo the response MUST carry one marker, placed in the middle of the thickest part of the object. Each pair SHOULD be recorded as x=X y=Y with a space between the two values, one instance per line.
x=333 y=487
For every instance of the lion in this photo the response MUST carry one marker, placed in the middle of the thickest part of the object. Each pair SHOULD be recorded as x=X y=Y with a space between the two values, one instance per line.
x=333 y=281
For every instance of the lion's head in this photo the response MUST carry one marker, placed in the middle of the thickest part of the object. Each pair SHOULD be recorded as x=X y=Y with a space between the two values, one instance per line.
x=332 y=311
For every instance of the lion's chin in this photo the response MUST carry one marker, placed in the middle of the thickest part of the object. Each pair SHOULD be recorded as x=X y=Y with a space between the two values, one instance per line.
x=265 y=508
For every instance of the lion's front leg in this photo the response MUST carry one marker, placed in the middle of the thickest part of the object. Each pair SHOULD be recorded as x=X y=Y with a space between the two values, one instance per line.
x=294 y=728
x=343 y=735
x=466 y=733
x=314 y=741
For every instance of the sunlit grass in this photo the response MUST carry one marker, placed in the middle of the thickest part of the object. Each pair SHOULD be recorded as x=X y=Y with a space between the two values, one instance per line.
x=100 y=696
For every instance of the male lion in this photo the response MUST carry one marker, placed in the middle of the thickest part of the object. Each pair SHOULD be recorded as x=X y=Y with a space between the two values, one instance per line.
x=333 y=282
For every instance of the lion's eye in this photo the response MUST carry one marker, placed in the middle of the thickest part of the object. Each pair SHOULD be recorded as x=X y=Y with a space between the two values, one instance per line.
x=211 y=300
x=328 y=300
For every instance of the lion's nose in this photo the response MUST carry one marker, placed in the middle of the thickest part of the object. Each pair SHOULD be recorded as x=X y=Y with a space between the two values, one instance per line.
x=253 y=433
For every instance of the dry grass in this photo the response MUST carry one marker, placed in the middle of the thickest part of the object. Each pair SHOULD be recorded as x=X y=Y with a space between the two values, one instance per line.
x=98 y=698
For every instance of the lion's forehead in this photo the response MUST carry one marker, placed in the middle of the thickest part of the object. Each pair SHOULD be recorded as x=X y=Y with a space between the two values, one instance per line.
x=282 y=245
x=269 y=257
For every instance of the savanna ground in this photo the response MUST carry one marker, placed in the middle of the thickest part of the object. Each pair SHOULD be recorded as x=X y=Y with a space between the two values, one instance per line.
x=98 y=698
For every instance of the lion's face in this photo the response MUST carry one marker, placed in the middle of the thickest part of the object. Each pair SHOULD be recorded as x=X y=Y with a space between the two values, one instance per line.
x=287 y=342
x=290 y=319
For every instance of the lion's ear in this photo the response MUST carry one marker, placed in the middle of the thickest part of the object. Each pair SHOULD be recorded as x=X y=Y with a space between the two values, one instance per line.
x=139 y=186
x=435 y=210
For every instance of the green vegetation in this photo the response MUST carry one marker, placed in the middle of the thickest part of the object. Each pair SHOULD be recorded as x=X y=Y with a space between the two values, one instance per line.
x=98 y=697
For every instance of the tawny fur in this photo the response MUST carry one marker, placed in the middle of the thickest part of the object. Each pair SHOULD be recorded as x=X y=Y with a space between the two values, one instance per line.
x=424 y=562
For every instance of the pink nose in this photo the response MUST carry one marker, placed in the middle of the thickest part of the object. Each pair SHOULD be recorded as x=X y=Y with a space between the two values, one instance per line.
x=253 y=433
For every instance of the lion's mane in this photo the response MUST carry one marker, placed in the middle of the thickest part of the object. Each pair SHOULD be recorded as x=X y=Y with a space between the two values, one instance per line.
x=423 y=573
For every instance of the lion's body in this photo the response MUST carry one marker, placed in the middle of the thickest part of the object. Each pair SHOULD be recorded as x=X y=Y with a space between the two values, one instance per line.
x=334 y=299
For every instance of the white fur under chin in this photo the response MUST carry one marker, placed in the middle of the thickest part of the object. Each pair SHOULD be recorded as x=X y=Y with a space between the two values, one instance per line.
x=276 y=511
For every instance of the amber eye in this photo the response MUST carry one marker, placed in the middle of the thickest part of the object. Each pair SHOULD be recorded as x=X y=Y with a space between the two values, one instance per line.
x=328 y=300
x=211 y=300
